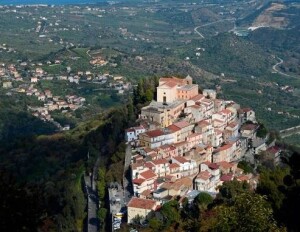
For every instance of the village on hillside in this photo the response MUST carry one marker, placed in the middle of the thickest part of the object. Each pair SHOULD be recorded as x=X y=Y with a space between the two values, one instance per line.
x=187 y=143
x=25 y=78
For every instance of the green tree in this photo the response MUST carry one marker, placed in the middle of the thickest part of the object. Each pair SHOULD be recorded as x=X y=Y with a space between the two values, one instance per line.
x=101 y=183
x=102 y=212
x=203 y=200
x=155 y=224
x=250 y=212
x=246 y=166
x=231 y=189
x=272 y=185
x=170 y=212
x=262 y=131
x=149 y=95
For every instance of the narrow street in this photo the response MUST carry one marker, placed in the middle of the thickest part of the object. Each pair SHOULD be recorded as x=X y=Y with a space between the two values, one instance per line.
x=126 y=176
x=92 y=220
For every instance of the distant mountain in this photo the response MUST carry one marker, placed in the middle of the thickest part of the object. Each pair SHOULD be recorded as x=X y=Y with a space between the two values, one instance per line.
x=48 y=2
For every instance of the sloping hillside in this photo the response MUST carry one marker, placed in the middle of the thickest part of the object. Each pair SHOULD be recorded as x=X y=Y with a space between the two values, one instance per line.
x=227 y=53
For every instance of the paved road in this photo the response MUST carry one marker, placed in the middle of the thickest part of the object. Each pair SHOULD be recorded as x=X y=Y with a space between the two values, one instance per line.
x=93 y=222
x=207 y=24
x=279 y=72
x=289 y=131
x=127 y=186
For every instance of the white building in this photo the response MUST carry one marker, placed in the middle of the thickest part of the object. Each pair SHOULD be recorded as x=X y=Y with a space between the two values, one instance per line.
x=133 y=132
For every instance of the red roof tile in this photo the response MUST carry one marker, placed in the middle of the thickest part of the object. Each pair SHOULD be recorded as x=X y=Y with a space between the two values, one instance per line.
x=243 y=178
x=160 y=161
x=146 y=193
x=232 y=125
x=249 y=127
x=174 y=165
x=154 y=133
x=138 y=181
x=173 y=128
x=224 y=147
x=170 y=84
x=149 y=165
x=205 y=175
x=213 y=166
x=203 y=123
x=181 y=124
x=274 y=149
x=180 y=159
x=225 y=164
x=198 y=97
x=142 y=203
x=148 y=174
x=225 y=111
x=227 y=177
x=173 y=79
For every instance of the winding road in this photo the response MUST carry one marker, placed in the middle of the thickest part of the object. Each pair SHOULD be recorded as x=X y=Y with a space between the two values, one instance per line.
x=276 y=70
x=207 y=24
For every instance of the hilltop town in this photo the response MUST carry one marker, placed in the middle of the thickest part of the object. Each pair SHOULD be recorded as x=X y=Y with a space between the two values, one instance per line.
x=187 y=143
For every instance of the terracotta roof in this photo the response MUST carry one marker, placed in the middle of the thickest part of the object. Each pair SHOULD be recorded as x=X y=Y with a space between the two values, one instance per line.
x=142 y=203
x=147 y=149
x=138 y=158
x=180 y=159
x=173 y=128
x=218 y=100
x=167 y=147
x=211 y=165
x=174 y=165
x=146 y=192
x=153 y=155
x=160 y=161
x=203 y=123
x=138 y=181
x=206 y=101
x=227 y=177
x=198 y=97
x=174 y=79
x=154 y=133
x=225 y=111
x=148 y=174
x=224 y=147
x=232 y=125
x=182 y=143
x=205 y=175
x=249 y=126
x=195 y=106
x=225 y=164
x=274 y=149
x=181 y=124
x=149 y=165
x=219 y=121
x=243 y=178
x=170 y=84
x=136 y=165
x=178 y=184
